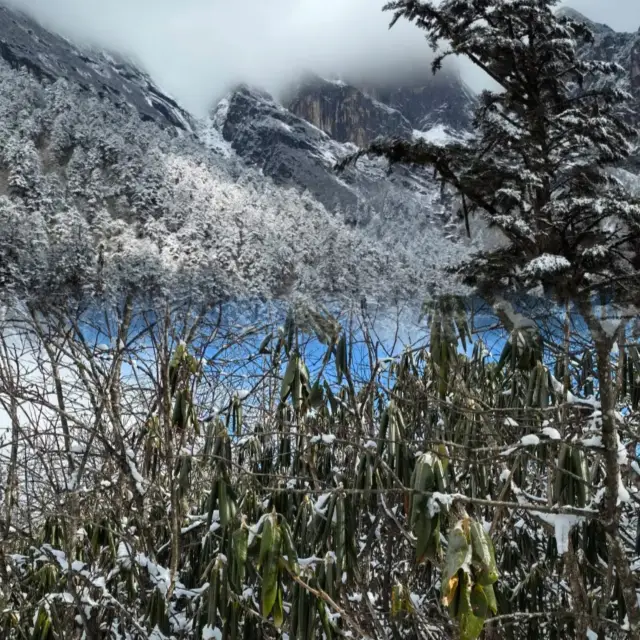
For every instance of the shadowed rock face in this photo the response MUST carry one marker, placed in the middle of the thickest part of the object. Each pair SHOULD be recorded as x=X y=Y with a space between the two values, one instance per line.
x=25 y=44
x=443 y=99
x=345 y=112
x=286 y=148
x=295 y=153
x=358 y=114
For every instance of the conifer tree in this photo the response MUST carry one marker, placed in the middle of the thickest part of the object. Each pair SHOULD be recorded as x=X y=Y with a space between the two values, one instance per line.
x=542 y=167
x=546 y=139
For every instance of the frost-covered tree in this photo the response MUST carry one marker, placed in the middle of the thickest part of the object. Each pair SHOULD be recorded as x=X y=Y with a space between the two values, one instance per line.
x=165 y=215
x=542 y=168
x=546 y=139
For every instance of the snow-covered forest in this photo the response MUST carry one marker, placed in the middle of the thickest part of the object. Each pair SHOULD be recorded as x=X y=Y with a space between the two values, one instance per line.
x=117 y=205
x=221 y=416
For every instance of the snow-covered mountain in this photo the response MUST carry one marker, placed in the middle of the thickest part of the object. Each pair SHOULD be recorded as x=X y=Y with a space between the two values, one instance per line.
x=124 y=189
x=293 y=152
x=614 y=46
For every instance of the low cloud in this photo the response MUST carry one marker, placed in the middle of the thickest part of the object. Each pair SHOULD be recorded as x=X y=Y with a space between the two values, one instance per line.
x=196 y=49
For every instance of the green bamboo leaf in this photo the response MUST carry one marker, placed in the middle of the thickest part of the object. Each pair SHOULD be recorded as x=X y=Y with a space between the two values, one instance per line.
x=237 y=411
x=424 y=482
x=490 y=595
x=481 y=554
x=266 y=541
x=265 y=344
x=223 y=599
x=214 y=592
x=289 y=548
x=240 y=548
x=470 y=626
x=340 y=534
x=444 y=369
x=303 y=614
x=579 y=468
x=489 y=574
x=329 y=575
x=270 y=571
x=341 y=357
x=278 y=612
x=226 y=503
x=563 y=464
x=479 y=602
x=433 y=548
x=424 y=531
x=470 y=623
x=316 y=395
x=289 y=376
x=504 y=356
x=180 y=413
x=311 y=620
x=295 y=597
x=324 y=618
x=382 y=434
x=439 y=477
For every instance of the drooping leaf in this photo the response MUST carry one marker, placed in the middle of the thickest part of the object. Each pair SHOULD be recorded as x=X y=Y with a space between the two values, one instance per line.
x=458 y=551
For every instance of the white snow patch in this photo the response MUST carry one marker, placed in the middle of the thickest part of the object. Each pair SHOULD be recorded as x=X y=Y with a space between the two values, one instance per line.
x=623 y=492
x=139 y=480
x=593 y=441
x=562 y=523
x=211 y=633
x=438 y=500
x=551 y=433
x=546 y=264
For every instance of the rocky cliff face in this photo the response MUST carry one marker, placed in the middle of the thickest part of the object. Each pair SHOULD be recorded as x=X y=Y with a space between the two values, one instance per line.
x=345 y=112
x=360 y=113
x=293 y=152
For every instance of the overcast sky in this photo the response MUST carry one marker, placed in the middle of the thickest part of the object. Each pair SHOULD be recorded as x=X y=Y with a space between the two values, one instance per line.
x=195 y=49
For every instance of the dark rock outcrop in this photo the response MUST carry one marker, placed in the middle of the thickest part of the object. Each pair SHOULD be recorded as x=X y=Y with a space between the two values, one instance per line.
x=441 y=99
x=287 y=148
x=360 y=113
x=345 y=112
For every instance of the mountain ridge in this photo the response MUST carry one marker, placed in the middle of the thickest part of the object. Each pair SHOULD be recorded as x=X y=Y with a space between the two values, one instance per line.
x=25 y=43
x=119 y=196
x=156 y=196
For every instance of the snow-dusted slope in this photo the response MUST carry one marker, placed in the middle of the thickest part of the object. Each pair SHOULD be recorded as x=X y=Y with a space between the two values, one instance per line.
x=614 y=46
x=293 y=152
x=106 y=185
x=96 y=201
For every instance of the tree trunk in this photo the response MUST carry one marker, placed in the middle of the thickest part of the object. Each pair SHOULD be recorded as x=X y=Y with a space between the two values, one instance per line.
x=611 y=443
